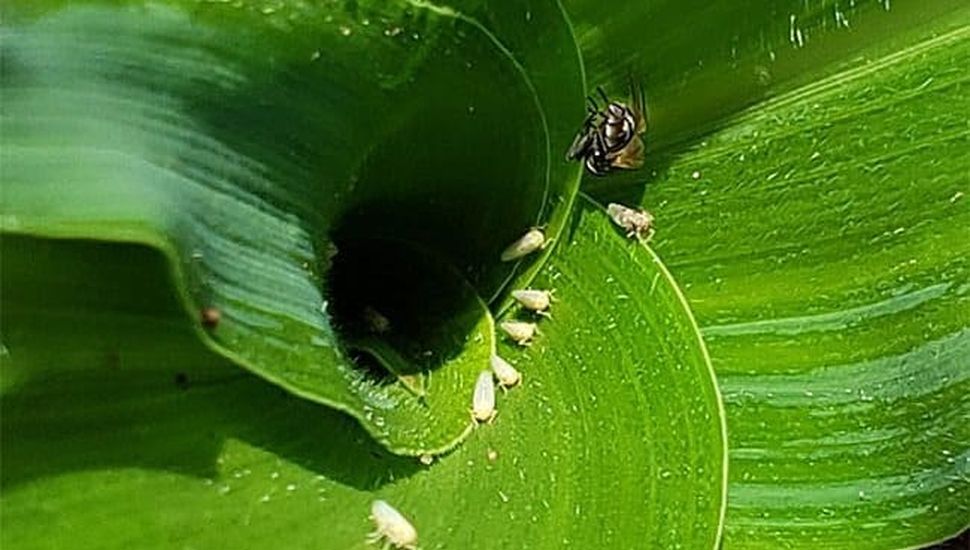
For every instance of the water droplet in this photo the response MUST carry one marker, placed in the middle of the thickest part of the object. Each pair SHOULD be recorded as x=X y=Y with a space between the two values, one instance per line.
x=345 y=30
x=794 y=33
x=840 y=18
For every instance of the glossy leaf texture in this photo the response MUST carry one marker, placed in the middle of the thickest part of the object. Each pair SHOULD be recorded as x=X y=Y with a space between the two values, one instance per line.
x=189 y=450
x=263 y=145
x=822 y=238
x=699 y=61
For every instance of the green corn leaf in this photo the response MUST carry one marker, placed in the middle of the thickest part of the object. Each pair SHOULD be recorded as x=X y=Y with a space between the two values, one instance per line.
x=338 y=181
x=189 y=450
x=821 y=238
x=258 y=145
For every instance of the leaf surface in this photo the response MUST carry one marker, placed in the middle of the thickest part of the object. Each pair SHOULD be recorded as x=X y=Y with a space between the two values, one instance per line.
x=191 y=451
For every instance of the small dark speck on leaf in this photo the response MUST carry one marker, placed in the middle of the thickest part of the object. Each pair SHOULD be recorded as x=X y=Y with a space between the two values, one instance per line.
x=181 y=381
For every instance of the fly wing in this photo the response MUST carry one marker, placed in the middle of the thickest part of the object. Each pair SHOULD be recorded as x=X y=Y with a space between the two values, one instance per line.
x=630 y=157
x=639 y=105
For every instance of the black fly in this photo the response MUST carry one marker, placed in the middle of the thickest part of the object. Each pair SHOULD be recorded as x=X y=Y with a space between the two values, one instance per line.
x=610 y=137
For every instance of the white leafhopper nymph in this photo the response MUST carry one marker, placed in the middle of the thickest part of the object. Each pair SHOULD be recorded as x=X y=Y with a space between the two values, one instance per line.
x=520 y=332
x=636 y=223
x=533 y=240
x=483 y=400
x=391 y=527
x=505 y=373
x=534 y=300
